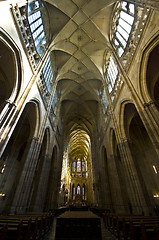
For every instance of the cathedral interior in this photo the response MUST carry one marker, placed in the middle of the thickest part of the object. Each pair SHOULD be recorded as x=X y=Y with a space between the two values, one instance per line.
x=79 y=106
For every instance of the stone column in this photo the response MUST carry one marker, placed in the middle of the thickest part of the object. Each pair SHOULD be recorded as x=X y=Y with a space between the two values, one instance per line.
x=42 y=185
x=135 y=192
x=23 y=190
x=95 y=171
x=105 y=185
x=117 y=198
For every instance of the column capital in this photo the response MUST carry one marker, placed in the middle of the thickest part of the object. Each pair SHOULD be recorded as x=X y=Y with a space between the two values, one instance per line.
x=10 y=103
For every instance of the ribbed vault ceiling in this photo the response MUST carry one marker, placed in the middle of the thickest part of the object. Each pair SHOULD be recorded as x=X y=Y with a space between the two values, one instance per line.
x=79 y=31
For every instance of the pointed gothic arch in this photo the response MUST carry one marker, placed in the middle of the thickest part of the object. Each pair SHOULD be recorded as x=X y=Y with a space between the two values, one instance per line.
x=149 y=74
x=10 y=69
x=143 y=152
x=17 y=154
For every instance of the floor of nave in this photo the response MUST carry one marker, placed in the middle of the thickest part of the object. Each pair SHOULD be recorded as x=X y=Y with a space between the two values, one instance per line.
x=106 y=235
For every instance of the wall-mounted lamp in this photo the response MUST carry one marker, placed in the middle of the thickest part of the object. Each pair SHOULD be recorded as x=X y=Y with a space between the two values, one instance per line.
x=156 y=196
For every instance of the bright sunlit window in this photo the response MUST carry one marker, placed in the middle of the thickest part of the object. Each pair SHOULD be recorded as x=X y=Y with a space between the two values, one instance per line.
x=111 y=74
x=48 y=74
x=36 y=25
x=123 y=25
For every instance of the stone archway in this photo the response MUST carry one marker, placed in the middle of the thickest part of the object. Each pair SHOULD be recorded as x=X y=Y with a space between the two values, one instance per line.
x=10 y=70
x=15 y=156
x=152 y=75
x=143 y=153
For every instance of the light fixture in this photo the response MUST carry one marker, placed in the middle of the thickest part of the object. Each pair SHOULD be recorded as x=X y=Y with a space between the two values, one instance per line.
x=156 y=196
x=2 y=194
x=155 y=169
x=2 y=168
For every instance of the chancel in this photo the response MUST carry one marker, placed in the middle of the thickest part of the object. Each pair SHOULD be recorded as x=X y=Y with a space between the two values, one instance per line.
x=79 y=119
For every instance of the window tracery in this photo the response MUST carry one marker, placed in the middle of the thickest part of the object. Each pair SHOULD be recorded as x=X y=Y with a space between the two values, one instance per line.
x=35 y=18
x=46 y=80
x=111 y=73
x=122 y=24
x=79 y=168
x=32 y=20
x=112 y=76
x=128 y=23
x=48 y=74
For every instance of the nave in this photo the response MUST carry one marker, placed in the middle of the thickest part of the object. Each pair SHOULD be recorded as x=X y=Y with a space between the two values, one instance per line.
x=79 y=119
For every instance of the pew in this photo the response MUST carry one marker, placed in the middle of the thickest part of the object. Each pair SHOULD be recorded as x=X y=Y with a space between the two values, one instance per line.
x=26 y=226
x=132 y=226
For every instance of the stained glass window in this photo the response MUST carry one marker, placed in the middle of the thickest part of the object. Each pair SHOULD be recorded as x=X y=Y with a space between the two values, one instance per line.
x=74 y=166
x=78 y=189
x=78 y=174
x=83 y=166
x=78 y=168
x=78 y=165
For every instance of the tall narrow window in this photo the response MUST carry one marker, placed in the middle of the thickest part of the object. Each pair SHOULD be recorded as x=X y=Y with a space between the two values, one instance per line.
x=104 y=101
x=78 y=165
x=111 y=74
x=73 y=192
x=122 y=24
x=83 y=192
x=36 y=25
x=74 y=166
x=48 y=74
x=78 y=190
x=83 y=166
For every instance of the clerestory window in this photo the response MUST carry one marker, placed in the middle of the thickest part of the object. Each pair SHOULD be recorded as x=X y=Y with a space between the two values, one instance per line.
x=111 y=74
x=122 y=25
x=104 y=101
x=48 y=74
x=36 y=25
